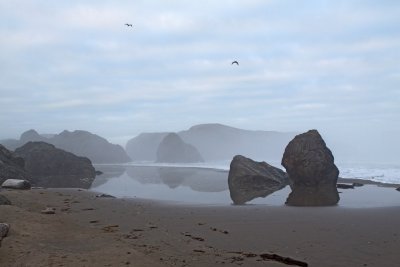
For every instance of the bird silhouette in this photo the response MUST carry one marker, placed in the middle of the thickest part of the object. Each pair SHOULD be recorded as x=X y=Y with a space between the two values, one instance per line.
x=128 y=25
x=235 y=62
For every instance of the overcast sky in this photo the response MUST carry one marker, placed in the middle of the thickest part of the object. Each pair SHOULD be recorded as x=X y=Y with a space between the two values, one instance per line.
x=329 y=65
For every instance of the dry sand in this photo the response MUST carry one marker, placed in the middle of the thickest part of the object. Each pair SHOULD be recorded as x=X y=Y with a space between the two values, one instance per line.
x=90 y=231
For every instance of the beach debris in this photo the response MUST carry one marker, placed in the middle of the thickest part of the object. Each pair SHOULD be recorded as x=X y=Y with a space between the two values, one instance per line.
x=221 y=231
x=345 y=186
x=312 y=172
x=16 y=184
x=94 y=221
x=193 y=237
x=285 y=260
x=48 y=210
x=199 y=251
x=110 y=228
x=249 y=179
x=4 y=200
x=88 y=209
x=105 y=196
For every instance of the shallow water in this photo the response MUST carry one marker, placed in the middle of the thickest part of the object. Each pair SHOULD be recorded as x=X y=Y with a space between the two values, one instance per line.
x=194 y=185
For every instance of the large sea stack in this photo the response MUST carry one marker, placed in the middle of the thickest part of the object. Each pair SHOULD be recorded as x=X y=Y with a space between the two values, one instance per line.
x=312 y=172
x=173 y=150
x=53 y=167
x=249 y=179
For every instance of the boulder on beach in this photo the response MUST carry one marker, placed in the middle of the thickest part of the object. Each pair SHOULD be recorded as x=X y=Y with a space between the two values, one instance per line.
x=16 y=184
x=11 y=167
x=249 y=179
x=312 y=172
x=53 y=167
x=173 y=150
x=398 y=189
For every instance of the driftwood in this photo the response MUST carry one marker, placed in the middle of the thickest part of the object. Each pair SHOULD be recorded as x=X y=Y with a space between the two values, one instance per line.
x=285 y=260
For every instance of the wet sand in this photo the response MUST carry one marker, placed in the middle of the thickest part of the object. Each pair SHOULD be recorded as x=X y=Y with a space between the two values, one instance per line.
x=90 y=231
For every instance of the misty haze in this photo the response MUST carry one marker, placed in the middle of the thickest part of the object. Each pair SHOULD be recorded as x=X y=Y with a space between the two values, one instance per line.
x=209 y=133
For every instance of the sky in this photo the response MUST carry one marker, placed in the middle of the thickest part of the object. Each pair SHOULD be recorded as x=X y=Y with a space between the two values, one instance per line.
x=316 y=64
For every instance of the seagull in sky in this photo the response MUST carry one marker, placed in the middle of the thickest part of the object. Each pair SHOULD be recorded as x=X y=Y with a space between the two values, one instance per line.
x=128 y=25
x=235 y=62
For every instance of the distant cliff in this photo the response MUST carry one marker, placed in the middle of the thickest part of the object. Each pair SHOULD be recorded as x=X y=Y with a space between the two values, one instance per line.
x=80 y=143
x=216 y=142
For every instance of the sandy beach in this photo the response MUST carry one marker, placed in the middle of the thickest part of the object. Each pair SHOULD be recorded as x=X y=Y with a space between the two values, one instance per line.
x=90 y=231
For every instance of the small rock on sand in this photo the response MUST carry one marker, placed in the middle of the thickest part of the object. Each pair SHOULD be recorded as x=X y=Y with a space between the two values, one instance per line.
x=48 y=211
x=4 y=200
x=4 y=228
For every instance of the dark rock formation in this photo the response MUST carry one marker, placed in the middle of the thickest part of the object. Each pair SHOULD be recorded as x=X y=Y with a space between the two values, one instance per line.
x=16 y=184
x=398 y=189
x=11 y=167
x=4 y=200
x=345 y=186
x=53 y=167
x=249 y=179
x=312 y=172
x=215 y=142
x=173 y=150
x=144 y=146
x=80 y=143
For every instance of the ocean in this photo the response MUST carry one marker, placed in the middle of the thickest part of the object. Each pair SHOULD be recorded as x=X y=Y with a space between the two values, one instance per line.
x=207 y=184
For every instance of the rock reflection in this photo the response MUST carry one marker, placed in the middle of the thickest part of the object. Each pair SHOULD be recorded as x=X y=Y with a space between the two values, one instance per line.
x=198 y=179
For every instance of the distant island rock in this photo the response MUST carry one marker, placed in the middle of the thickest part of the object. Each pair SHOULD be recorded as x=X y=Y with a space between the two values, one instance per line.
x=172 y=149
x=249 y=179
x=80 y=143
x=144 y=146
x=312 y=172
x=216 y=142
x=53 y=167
x=11 y=167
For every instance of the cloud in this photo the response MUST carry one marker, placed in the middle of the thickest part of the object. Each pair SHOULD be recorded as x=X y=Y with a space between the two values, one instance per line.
x=316 y=64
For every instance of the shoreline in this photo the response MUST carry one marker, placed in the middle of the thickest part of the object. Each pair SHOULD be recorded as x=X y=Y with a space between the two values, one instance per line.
x=91 y=231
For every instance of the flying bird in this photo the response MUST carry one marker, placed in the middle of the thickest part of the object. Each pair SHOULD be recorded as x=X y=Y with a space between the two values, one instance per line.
x=128 y=25
x=235 y=62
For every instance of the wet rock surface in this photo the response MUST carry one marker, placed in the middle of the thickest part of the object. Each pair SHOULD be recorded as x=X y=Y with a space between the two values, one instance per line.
x=249 y=179
x=312 y=172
